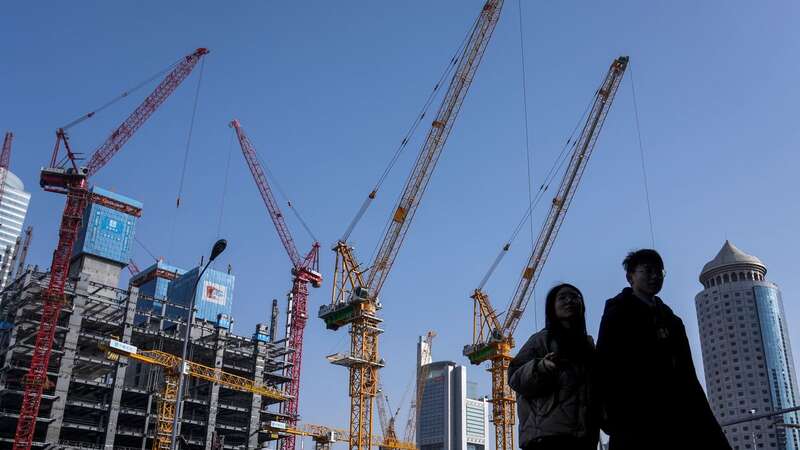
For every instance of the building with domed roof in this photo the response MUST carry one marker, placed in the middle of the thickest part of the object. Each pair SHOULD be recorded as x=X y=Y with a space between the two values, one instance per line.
x=746 y=352
x=13 y=208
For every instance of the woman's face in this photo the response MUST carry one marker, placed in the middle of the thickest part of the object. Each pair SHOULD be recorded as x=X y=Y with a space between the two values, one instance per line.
x=568 y=303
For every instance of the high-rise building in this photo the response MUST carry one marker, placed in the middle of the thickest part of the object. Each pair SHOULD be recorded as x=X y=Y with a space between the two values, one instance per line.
x=746 y=353
x=13 y=208
x=450 y=416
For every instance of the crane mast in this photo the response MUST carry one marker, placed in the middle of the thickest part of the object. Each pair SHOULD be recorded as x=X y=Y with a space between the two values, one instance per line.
x=304 y=271
x=73 y=181
x=494 y=341
x=354 y=299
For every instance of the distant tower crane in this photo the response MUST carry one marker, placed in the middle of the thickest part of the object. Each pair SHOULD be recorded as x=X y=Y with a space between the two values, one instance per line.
x=64 y=176
x=304 y=271
x=355 y=297
x=493 y=340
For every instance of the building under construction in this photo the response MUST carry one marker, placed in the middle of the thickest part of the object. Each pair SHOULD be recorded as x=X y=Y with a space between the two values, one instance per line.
x=91 y=401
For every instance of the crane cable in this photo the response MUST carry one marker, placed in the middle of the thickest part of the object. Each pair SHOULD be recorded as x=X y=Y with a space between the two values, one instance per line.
x=274 y=182
x=119 y=97
x=145 y=248
x=528 y=155
x=189 y=137
x=186 y=156
x=225 y=184
x=641 y=154
x=554 y=169
x=452 y=64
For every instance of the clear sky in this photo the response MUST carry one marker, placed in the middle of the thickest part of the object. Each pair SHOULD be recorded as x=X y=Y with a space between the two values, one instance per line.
x=326 y=90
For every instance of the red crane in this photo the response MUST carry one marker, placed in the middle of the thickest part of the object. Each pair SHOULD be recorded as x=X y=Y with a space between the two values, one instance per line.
x=304 y=271
x=73 y=181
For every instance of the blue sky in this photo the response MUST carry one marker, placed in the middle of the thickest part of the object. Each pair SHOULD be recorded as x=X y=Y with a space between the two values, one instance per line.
x=326 y=90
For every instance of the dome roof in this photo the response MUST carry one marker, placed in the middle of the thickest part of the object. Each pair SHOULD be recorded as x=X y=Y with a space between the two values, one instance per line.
x=730 y=255
x=13 y=181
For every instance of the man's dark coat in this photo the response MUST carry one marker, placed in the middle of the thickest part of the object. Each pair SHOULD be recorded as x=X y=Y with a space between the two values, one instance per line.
x=649 y=389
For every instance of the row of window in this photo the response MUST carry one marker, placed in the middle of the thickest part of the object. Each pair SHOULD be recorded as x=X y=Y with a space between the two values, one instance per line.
x=732 y=277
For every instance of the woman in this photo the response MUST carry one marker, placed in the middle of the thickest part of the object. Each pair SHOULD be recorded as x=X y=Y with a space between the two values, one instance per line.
x=552 y=376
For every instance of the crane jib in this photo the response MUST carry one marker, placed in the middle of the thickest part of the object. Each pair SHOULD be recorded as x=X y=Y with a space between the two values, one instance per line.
x=569 y=184
x=431 y=150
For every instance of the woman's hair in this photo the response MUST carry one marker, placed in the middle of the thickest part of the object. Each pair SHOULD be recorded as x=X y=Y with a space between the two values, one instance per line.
x=569 y=339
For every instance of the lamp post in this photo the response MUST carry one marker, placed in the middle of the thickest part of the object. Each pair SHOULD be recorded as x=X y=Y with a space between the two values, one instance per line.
x=218 y=248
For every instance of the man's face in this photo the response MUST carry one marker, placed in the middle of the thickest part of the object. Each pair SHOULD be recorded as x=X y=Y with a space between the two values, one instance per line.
x=647 y=278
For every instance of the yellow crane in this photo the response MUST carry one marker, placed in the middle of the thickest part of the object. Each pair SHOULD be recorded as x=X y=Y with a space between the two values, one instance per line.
x=172 y=366
x=493 y=340
x=355 y=293
x=323 y=436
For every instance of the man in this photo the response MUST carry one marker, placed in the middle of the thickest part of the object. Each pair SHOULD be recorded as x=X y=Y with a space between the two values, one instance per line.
x=651 y=397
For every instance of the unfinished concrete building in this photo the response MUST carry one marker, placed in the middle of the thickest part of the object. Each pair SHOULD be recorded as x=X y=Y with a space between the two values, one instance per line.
x=91 y=402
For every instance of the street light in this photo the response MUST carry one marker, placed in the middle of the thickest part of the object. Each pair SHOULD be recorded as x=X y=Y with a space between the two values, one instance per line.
x=218 y=248
x=752 y=412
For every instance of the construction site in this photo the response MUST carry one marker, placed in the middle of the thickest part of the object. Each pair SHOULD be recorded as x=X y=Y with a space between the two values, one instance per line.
x=91 y=358
x=90 y=365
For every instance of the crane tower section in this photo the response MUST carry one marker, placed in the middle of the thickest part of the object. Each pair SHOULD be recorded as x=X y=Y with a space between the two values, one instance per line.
x=73 y=181
x=355 y=296
x=304 y=271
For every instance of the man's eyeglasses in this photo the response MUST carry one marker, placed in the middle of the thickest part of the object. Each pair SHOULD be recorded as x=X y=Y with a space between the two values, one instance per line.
x=652 y=271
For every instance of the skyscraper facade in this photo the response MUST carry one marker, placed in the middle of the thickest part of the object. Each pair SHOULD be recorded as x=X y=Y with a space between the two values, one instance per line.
x=746 y=352
x=450 y=415
x=13 y=208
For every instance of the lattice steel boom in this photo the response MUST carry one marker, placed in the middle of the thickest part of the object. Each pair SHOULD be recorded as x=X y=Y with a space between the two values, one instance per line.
x=304 y=271
x=355 y=302
x=494 y=341
x=73 y=181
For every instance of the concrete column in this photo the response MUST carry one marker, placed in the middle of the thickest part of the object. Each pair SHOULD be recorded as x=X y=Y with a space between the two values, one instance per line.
x=214 y=397
x=12 y=338
x=259 y=354
x=147 y=421
x=67 y=361
x=119 y=375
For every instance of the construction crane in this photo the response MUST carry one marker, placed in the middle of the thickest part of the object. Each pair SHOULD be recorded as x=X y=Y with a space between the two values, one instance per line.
x=388 y=421
x=423 y=369
x=64 y=176
x=169 y=396
x=492 y=339
x=355 y=298
x=322 y=435
x=304 y=271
